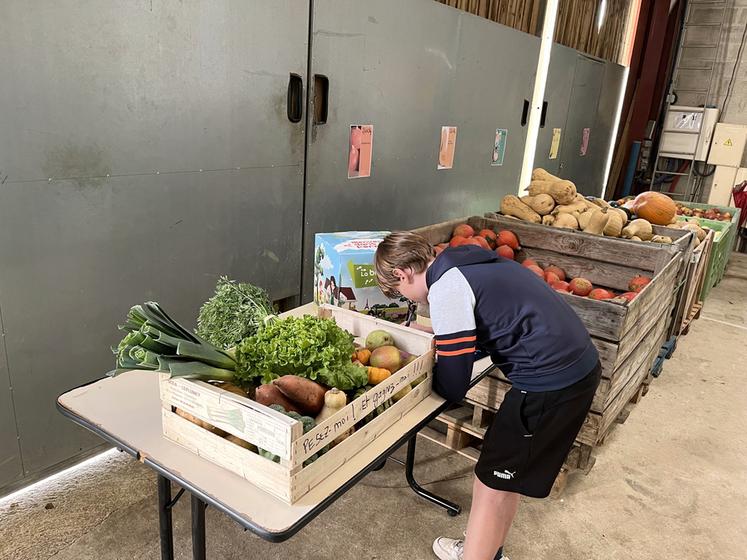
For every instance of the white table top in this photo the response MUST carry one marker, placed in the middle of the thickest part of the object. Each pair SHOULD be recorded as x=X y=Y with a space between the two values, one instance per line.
x=128 y=409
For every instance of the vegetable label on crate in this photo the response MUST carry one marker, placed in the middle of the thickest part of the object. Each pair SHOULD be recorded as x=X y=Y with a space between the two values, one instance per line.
x=555 y=145
x=499 y=146
x=447 y=147
x=585 y=141
x=360 y=151
x=255 y=427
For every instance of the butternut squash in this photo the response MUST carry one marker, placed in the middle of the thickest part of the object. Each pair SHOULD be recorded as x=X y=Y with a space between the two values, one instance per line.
x=542 y=203
x=565 y=220
x=540 y=174
x=639 y=228
x=563 y=192
x=597 y=222
x=584 y=217
x=363 y=355
x=512 y=206
x=661 y=239
x=576 y=206
x=376 y=375
x=614 y=225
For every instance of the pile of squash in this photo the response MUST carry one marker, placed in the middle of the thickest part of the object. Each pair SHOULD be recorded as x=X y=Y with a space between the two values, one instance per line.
x=553 y=201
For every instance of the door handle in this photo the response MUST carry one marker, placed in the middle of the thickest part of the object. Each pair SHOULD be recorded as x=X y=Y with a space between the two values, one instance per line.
x=525 y=113
x=321 y=98
x=544 y=114
x=295 y=98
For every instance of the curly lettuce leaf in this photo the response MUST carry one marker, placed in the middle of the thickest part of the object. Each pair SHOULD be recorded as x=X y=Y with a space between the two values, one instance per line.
x=311 y=347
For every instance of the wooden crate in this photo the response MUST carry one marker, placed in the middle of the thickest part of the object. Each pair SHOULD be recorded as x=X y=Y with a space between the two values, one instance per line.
x=627 y=336
x=694 y=279
x=270 y=430
x=616 y=329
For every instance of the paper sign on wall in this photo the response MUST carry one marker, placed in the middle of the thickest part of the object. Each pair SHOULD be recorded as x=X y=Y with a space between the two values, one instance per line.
x=360 y=150
x=555 y=146
x=447 y=147
x=499 y=146
x=585 y=141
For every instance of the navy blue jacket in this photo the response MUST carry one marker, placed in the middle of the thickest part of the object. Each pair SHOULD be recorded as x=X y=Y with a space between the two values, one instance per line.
x=480 y=300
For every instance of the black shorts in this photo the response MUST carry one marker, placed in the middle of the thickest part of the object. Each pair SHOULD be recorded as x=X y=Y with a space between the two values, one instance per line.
x=531 y=435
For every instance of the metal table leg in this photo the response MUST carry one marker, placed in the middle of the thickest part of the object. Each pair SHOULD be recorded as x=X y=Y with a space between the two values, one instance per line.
x=166 y=527
x=198 y=528
x=451 y=508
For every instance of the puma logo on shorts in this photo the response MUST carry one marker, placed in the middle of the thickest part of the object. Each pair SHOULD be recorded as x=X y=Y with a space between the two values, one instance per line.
x=506 y=474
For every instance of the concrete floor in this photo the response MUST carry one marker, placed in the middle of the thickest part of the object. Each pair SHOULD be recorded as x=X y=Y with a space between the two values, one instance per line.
x=669 y=483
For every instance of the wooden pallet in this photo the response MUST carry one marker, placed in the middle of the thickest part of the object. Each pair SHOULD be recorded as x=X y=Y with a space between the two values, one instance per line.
x=467 y=424
x=692 y=316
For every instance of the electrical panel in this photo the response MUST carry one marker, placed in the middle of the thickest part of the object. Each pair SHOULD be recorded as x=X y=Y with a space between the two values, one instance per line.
x=687 y=132
x=727 y=147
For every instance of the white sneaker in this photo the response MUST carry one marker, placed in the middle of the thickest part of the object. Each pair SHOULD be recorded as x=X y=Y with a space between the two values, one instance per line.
x=453 y=549
x=448 y=549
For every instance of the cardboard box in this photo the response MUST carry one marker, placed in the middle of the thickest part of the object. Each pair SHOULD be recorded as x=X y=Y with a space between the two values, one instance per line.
x=344 y=274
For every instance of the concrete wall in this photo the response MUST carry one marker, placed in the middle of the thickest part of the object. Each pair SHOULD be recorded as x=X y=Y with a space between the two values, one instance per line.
x=703 y=41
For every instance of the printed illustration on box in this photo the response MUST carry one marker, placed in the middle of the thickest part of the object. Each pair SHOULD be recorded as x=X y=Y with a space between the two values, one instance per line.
x=344 y=274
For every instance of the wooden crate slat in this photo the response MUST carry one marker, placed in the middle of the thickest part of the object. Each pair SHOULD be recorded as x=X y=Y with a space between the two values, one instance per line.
x=696 y=277
x=306 y=445
x=595 y=425
x=634 y=336
x=240 y=416
x=662 y=286
x=603 y=319
x=325 y=465
x=270 y=476
x=610 y=388
x=600 y=273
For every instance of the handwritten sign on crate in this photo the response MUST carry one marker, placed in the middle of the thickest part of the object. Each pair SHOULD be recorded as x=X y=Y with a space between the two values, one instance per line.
x=326 y=432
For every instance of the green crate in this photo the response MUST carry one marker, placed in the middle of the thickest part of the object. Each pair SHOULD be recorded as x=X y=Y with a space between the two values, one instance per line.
x=719 y=252
x=733 y=232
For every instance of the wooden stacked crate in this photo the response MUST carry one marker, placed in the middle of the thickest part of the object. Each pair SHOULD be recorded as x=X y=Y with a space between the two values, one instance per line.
x=628 y=337
x=695 y=278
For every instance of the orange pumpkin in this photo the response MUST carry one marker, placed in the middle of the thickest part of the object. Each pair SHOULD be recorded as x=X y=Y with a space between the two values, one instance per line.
x=655 y=207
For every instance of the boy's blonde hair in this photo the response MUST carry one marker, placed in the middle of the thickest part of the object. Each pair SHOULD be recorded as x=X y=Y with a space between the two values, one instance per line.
x=403 y=250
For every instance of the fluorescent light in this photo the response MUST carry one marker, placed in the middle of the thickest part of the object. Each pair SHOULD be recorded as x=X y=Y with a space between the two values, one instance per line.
x=543 y=64
x=51 y=478
x=615 y=127
x=600 y=15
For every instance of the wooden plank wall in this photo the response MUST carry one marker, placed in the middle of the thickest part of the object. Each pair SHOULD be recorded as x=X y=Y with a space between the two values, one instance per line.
x=576 y=25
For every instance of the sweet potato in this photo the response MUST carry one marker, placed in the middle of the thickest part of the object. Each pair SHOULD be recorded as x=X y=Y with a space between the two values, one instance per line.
x=305 y=393
x=270 y=394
